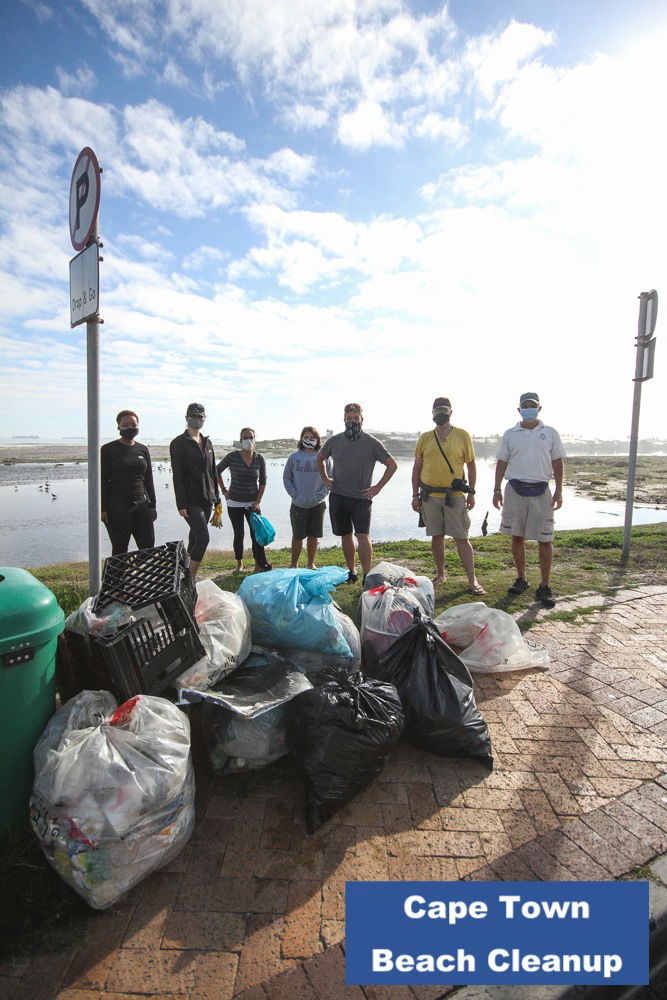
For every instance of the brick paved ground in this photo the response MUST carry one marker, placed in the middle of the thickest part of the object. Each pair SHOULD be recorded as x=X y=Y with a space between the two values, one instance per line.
x=253 y=908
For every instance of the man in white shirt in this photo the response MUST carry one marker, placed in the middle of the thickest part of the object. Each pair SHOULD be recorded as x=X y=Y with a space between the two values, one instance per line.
x=529 y=454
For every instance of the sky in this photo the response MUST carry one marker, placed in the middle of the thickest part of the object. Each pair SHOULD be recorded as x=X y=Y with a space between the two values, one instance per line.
x=309 y=203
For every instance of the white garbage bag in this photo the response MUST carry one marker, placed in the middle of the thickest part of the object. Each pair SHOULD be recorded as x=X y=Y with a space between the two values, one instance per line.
x=400 y=576
x=386 y=612
x=113 y=797
x=489 y=639
x=224 y=632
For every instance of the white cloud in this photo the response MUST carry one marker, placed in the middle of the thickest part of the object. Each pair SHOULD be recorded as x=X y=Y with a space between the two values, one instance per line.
x=42 y=11
x=368 y=125
x=496 y=58
x=338 y=62
x=296 y=168
x=83 y=81
x=435 y=126
x=203 y=257
x=304 y=116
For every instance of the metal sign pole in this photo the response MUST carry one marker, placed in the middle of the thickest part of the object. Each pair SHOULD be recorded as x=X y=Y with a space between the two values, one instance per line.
x=84 y=203
x=632 y=458
x=94 y=482
x=648 y=314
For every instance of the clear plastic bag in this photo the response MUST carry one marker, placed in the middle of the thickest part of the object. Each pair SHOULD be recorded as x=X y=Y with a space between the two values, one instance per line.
x=489 y=639
x=262 y=682
x=386 y=612
x=224 y=632
x=243 y=718
x=293 y=609
x=400 y=576
x=84 y=621
x=113 y=797
x=236 y=744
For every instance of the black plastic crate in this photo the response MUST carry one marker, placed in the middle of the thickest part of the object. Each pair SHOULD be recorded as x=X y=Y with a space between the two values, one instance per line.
x=78 y=666
x=139 y=659
x=158 y=576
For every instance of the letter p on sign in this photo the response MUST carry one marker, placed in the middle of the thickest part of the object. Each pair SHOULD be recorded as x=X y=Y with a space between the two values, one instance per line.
x=84 y=198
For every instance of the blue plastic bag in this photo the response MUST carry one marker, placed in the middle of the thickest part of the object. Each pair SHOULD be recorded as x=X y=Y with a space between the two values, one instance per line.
x=262 y=528
x=292 y=608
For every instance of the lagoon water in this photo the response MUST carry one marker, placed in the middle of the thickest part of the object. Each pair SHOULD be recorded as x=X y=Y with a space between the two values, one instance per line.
x=36 y=529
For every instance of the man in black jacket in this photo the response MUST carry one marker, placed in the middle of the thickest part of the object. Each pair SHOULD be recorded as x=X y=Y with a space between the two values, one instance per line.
x=195 y=481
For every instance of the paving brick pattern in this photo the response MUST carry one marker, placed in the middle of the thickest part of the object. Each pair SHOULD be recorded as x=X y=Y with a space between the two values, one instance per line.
x=254 y=908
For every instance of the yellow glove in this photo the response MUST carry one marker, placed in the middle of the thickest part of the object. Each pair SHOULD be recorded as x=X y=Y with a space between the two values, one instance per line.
x=216 y=520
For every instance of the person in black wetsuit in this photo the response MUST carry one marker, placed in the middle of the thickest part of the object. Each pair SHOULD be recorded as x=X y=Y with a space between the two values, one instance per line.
x=128 y=493
x=195 y=481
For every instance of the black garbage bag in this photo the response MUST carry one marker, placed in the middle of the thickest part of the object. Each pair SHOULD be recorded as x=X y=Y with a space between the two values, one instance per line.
x=436 y=691
x=341 y=734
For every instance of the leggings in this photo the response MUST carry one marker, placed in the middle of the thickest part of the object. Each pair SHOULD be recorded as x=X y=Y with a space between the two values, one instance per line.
x=236 y=519
x=133 y=519
x=198 y=518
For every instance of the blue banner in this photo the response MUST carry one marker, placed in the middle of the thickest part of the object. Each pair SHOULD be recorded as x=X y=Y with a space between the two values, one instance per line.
x=494 y=933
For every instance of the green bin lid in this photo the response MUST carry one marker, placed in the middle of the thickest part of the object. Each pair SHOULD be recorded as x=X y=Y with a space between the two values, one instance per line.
x=29 y=611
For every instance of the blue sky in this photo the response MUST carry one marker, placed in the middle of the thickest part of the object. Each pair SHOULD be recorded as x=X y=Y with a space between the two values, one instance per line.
x=309 y=203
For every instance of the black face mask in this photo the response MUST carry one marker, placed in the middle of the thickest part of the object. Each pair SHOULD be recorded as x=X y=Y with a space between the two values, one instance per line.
x=352 y=429
x=128 y=433
x=441 y=418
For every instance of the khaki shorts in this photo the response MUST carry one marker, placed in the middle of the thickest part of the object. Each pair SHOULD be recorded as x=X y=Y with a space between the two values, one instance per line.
x=527 y=517
x=445 y=519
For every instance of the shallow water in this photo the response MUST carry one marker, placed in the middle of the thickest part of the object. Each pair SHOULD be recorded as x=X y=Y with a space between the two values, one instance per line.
x=38 y=529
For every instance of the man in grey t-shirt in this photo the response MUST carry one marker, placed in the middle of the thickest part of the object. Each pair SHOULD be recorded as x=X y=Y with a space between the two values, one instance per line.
x=354 y=454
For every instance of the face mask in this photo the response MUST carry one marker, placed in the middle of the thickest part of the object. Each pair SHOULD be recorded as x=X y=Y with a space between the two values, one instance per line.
x=196 y=423
x=128 y=433
x=352 y=429
x=309 y=442
x=441 y=418
x=529 y=413
x=247 y=444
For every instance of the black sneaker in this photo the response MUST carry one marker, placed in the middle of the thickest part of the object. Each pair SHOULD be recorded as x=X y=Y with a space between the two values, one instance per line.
x=352 y=577
x=519 y=585
x=543 y=594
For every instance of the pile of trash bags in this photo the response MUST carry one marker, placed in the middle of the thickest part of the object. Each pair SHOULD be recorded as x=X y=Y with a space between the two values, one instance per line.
x=285 y=671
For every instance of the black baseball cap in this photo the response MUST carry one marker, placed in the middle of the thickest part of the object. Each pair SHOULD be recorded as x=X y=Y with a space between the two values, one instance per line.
x=195 y=410
x=441 y=401
x=529 y=397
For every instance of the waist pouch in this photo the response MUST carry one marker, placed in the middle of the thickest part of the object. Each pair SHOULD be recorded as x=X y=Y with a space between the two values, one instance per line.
x=528 y=489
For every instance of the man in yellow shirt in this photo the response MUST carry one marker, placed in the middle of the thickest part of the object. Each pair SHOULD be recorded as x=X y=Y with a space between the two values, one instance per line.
x=440 y=492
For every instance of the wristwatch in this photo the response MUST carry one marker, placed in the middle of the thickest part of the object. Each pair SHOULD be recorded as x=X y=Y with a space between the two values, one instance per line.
x=471 y=491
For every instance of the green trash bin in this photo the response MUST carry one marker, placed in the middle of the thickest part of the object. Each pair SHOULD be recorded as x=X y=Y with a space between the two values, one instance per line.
x=30 y=623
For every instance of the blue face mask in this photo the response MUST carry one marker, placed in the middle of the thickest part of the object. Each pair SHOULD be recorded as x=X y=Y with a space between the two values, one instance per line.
x=529 y=413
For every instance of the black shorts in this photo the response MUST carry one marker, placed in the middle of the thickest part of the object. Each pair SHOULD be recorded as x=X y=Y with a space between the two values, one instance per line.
x=307 y=522
x=348 y=513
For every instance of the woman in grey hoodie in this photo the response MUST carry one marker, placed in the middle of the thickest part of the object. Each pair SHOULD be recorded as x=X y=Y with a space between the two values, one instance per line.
x=307 y=490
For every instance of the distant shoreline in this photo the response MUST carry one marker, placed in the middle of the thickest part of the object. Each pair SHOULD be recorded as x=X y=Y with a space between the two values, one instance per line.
x=401 y=447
